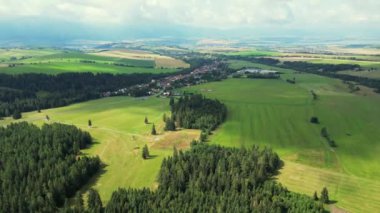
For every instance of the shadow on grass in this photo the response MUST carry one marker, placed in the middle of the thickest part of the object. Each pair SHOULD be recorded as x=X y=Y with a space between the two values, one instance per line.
x=94 y=179
x=151 y=157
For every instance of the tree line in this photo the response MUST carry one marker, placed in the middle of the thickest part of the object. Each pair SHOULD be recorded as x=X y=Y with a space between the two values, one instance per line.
x=28 y=92
x=215 y=179
x=328 y=70
x=41 y=167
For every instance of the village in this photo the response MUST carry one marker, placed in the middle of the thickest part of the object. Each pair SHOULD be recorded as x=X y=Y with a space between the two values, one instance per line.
x=164 y=87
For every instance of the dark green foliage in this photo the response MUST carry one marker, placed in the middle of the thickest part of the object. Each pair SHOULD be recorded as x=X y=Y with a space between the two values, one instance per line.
x=326 y=135
x=146 y=120
x=145 y=152
x=28 y=92
x=89 y=123
x=197 y=112
x=203 y=136
x=325 y=195
x=94 y=202
x=171 y=102
x=164 y=117
x=39 y=167
x=315 y=196
x=314 y=120
x=169 y=125
x=16 y=115
x=154 y=132
x=215 y=179
x=263 y=75
x=291 y=81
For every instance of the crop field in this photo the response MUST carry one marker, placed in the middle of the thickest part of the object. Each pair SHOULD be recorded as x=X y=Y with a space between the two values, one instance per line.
x=253 y=53
x=120 y=133
x=277 y=114
x=15 y=54
x=160 y=60
x=71 y=61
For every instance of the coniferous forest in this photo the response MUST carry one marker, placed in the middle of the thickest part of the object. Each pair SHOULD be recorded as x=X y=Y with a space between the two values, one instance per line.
x=215 y=179
x=28 y=92
x=40 y=167
x=198 y=112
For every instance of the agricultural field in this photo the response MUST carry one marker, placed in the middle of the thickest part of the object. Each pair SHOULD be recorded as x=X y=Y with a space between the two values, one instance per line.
x=253 y=53
x=7 y=55
x=73 y=61
x=369 y=63
x=277 y=114
x=120 y=133
x=161 y=61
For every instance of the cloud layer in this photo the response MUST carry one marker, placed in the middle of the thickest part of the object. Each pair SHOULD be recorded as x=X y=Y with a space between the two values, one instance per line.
x=220 y=14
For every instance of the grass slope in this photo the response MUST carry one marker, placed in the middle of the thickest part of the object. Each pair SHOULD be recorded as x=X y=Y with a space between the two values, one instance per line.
x=277 y=114
x=120 y=133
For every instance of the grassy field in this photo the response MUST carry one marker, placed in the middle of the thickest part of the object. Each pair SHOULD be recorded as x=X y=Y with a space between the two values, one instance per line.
x=120 y=132
x=8 y=54
x=74 y=61
x=160 y=60
x=61 y=67
x=275 y=113
x=253 y=53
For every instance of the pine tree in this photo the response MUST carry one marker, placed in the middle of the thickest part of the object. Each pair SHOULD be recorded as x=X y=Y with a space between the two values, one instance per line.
x=145 y=152
x=169 y=125
x=94 y=202
x=89 y=123
x=16 y=115
x=146 y=120
x=315 y=196
x=154 y=132
x=325 y=195
x=203 y=136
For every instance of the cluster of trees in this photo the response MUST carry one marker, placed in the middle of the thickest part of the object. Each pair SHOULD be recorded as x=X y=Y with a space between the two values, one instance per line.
x=198 y=112
x=40 y=167
x=264 y=75
x=211 y=178
x=28 y=92
x=314 y=120
x=324 y=198
x=291 y=81
x=316 y=67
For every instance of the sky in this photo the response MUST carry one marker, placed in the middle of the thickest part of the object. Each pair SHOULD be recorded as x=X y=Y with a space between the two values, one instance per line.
x=118 y=19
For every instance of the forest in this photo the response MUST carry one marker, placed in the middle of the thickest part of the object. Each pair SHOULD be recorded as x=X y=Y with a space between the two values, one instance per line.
x=28 y=92
x=211 y=178
x=198 y=112
x=41 y=167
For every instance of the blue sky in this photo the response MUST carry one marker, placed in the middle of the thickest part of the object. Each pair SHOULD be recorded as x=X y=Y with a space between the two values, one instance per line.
x=123 y=18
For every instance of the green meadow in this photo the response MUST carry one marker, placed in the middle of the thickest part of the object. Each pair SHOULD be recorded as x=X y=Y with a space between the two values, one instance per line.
x=277 y=114
x=253 y=53
x=120 y=133
x=62 y=67
x=73 y=61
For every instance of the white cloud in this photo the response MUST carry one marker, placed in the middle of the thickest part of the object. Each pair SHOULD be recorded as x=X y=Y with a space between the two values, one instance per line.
x=205 y=13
